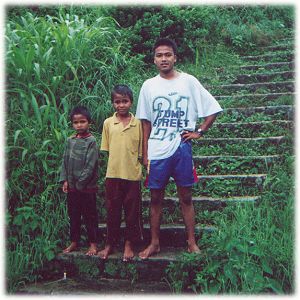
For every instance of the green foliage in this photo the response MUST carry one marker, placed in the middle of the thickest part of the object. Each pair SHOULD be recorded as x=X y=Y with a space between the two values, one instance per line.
x=248 y=252
x=121 y=270
x=192 y=27
x=87 y=268
x=34 y=235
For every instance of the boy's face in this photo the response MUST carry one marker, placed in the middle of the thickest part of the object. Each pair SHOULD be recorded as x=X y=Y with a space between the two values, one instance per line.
x=164 y=59
x=122 y=104
x=80 y=124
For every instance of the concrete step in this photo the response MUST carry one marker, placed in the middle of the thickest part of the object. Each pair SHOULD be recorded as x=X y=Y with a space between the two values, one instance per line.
x=264 y=77
x=234 y=164
x=267 y=87
x=270 y=66
x=77 y=264
x=88 y=287
x=275 y=145
x=225 y=158
x=285 y=56
x=233 y=176
x=234 y=180
x=260 y=100
x=279 y=47
x=229 y=185
x=232 y=125
x=279 y=112
x=270 y=139
x=171 y=235
x=168 y=200
x=246 y=179
x=251 y=129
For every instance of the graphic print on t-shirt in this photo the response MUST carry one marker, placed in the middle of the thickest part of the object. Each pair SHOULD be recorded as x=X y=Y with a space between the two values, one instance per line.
x=170 y=116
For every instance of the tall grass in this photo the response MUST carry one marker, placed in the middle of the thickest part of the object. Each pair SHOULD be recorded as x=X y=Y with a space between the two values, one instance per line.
x=52 y=64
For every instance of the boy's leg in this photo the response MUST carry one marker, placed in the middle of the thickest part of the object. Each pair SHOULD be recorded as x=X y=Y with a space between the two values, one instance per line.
x=158 y=174
x=132 y=209
x=74 y=212
x=187 y=208
x=113 y=202
x=133 y=216
x=89 y=211
x=185 y=178
x=128 y=251
x=70 y=248
x=157 y=196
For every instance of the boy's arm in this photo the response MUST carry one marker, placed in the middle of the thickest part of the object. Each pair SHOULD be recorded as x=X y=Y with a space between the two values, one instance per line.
x=105 y=137
x=63 y=169
x=208 y=121
x=146 y=125
x=65 y=187
x=92 y=158
x=140 y=149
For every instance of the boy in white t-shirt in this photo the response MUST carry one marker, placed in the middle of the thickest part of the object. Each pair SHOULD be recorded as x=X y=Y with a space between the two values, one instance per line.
x=169 y=106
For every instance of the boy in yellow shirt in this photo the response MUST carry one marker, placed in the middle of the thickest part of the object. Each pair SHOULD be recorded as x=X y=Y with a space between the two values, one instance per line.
x=122 y=138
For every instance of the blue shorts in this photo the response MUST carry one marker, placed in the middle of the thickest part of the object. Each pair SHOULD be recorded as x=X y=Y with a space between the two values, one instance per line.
x=180 y=166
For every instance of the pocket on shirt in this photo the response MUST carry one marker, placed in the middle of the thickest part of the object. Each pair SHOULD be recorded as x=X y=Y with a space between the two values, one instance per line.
x=133 y=145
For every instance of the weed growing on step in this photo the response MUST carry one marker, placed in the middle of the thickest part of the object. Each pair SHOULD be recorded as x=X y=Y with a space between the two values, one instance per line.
x=238 y=147
x=118 y=269
x=249 y=130
x=87 y=268
x=256 y=101
x=232 y=166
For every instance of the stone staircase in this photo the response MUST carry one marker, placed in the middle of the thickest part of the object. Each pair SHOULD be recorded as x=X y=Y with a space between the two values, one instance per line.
x=246 y=139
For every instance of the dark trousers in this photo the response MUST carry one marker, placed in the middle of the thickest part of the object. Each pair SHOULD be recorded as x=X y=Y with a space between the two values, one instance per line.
x=123 y=194
x=82 y=205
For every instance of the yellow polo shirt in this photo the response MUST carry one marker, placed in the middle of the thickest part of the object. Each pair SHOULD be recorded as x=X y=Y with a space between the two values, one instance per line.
x=124 y=145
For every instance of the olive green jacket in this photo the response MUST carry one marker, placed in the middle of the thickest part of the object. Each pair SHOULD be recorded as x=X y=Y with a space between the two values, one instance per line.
x=80 y=163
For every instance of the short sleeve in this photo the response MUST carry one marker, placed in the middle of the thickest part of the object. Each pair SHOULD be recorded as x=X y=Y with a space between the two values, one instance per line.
x=105 y=137
x=206 y=104
x=143 y=111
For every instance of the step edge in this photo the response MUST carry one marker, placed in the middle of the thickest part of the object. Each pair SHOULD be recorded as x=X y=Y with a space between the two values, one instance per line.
x=210 y=199
x=242 y=139
x=256 y=95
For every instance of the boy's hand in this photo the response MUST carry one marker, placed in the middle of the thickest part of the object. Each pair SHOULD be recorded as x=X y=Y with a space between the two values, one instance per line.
x=145 y=162
x=189 y=135
x=65 y=187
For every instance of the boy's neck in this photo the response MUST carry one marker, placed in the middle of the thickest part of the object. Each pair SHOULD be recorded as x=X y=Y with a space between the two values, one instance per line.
x=125 y=119
x=170 y=75
x=83 y=134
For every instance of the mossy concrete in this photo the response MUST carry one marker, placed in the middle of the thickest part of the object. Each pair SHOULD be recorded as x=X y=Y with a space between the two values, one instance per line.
x=103 y=286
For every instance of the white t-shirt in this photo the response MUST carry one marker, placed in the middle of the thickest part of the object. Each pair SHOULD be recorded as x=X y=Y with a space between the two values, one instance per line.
x=172 y=106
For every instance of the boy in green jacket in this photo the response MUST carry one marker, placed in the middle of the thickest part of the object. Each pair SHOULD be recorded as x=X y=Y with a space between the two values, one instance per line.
x=79 y=174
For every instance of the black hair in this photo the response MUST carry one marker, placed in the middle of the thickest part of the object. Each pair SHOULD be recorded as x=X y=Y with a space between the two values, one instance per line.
x=165 y=42
x=81 y=110
x=123 y=90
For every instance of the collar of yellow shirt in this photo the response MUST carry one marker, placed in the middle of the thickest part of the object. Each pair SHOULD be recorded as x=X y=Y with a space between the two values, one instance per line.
x=132 y=122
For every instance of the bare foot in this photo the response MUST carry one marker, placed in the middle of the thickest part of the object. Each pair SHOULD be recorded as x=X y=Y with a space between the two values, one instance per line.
x=71 y=248
x=128 y=252
x=193 y=248
x=92 y=250
x=150 y=250
x=105 y=252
